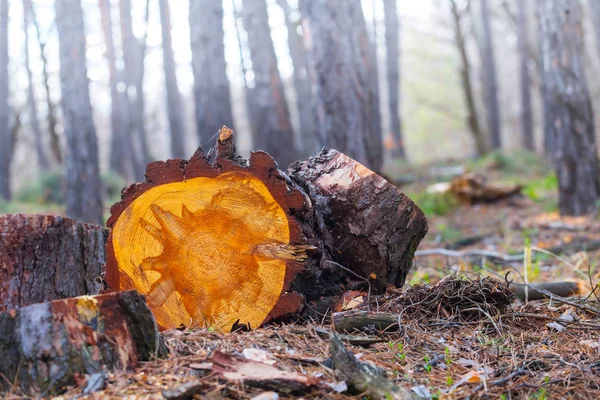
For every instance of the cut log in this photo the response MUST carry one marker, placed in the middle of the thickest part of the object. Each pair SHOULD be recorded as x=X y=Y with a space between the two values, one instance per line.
x=227 y=242
x=44 y=258
x=43 y=347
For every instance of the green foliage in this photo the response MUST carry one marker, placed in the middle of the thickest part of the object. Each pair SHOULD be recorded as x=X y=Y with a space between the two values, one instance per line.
x=49 y=188
x=515 y=162
x=433 y=204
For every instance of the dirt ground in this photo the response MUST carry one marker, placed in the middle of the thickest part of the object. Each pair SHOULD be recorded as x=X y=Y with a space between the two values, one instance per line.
x=455 y=339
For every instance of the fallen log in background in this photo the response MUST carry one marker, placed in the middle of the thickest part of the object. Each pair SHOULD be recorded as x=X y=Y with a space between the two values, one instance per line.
x=44 y=258
x=231 y=242
x=44 y=346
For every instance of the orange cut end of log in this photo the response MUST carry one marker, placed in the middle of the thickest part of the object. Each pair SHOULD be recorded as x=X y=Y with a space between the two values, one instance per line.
x=206 y=252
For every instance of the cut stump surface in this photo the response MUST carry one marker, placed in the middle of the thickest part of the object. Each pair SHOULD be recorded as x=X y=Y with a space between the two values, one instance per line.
x=227 y=243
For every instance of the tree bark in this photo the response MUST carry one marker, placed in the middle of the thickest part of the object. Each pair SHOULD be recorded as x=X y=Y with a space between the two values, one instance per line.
x=527 y=134
x=31 y=99
x=174 y=103
x=46 y=347
x=47 y=258
x=342 y=91
x=270 y=118
x=310 y=143
x=392 y=45
x=122 y=156
x=374 y=136
x=54 y=138
x=83 y=185
x=5 y=131
x=284 y=239
x=567 y=106
x=481 y=142
x=211 y=86
x=134 y=52
x=490 y=80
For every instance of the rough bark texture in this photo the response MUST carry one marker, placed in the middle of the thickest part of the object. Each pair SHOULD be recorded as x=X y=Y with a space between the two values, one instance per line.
x=361 y=231
x=134 y=52
x=211 y=86
x=46 y=258
x=5 y=131
x=31 y=99
x=83 y=185
x=567 y=107
x=338 y=71
x=46 y=347
x=371 y=227
x=51 y=116
x=527 y=134
x=392 y=45
x=481 y=143
x=309 y=139
x=174 y=103
x=270 y=118
x=490 y=79
x=122 y=156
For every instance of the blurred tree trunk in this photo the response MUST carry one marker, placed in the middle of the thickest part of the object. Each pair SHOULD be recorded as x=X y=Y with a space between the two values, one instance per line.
x=211 y=86
x=174 y=102
x=527 y=136
x=298 y=54
x=374 y=136
x=569 y=118
x=134 y=53
x=54 y=139
x=270 y=118
x=392 y=45
x=83 y=185
x=122 y=156
x=338 y=67
x=490 y=80
x=5 y=131
x=31 y=100
x=481 y=142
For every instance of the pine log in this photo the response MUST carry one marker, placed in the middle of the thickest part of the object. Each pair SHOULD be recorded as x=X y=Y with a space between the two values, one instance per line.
x=227 y=242
x=45 y=347
x=44 y=258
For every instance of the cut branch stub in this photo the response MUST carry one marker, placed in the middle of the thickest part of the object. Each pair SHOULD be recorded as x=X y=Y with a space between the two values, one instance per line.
x=209 y=244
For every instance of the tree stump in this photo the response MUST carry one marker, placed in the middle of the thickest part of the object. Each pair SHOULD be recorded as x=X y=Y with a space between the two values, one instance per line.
x=45 y=347
x=44 y=258
x=226 y=242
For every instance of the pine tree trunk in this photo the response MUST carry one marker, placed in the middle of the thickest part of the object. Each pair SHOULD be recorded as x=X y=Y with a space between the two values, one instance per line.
x=392 y=45
x=270 y=118
x=46 y=258
x=374 y=138
x=134 y=53
x=342 y=101
x=31 y=99
x=51 y=116
x=527 y=134
x=211 y=86
x=567 y=106
x=174 y=102
x=479 y=138
x=310 y=143
x=83 y=185
x=5 y=131
x=490 y=80
x=122 y=156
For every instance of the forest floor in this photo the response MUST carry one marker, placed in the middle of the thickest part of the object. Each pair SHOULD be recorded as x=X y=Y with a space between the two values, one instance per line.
x=444 y=349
